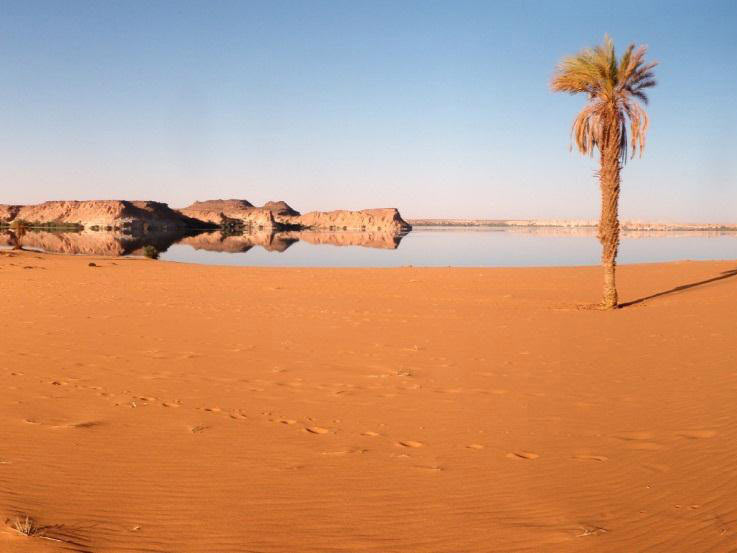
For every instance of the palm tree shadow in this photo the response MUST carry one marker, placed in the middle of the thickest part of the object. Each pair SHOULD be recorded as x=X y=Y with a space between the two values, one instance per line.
x=726 y=274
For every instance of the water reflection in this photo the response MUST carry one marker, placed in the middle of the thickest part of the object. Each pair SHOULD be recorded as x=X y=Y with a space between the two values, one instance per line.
x=280 y=241
x=92 y=242
x=120 y=244
x=423 y=246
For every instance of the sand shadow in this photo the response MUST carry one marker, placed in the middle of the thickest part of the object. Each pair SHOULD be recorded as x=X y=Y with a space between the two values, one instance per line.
x=725 y=275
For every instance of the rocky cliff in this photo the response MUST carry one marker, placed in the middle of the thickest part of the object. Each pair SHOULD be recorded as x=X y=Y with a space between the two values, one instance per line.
x=9 y=212
x=238 y=212
x=280 y=216
x=114 y=214
x=376 y=220
x=142 y=215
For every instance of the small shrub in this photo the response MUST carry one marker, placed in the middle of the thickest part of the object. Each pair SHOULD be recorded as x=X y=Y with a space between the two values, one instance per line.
x=28 y=527
x=151 y=252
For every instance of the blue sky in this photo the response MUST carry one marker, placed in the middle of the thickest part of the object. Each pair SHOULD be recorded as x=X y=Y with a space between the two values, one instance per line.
x=438 y=108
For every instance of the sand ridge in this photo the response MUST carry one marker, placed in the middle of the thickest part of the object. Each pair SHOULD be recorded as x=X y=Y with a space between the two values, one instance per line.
x=153 y=406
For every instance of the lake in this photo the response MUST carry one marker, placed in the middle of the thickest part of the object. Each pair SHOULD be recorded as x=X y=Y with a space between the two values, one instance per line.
x=423 y=246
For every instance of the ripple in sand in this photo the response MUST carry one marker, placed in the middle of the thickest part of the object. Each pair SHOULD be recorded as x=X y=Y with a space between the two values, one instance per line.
x=644 y=446
x=697 y=434
x=634 y=436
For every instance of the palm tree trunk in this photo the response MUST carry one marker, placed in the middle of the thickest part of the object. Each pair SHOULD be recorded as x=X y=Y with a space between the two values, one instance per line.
x=609 y=219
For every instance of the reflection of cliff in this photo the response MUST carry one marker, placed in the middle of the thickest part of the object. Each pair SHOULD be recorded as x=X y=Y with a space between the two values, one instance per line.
x=238 y=243
x=280 y=241
x=95 y=243
x=117 y=243
x=382 y=240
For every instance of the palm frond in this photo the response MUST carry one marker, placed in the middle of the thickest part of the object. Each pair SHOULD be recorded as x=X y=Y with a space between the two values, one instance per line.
x=615 y=89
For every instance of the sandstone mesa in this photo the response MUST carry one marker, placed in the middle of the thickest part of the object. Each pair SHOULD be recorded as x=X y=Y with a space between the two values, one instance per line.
x=141 y=215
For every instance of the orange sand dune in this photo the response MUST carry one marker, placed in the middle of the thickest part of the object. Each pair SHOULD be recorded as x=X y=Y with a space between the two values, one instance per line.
x=161 y=407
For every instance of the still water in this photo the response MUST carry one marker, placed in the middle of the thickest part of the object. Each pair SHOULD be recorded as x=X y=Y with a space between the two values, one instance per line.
x=467 y=247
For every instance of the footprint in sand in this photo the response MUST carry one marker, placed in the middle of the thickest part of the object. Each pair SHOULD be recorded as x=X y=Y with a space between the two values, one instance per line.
x=370 y=433
x=198 y=428
x=170 y=404
x=697 y=434
x=288 y=421
x=83 y=424
x=410 y=443
x=474 y=446
x=528 y=455
x=316 y=430
x=343 y=452
x=238 y=415
x=586 y=457
x=638 y=440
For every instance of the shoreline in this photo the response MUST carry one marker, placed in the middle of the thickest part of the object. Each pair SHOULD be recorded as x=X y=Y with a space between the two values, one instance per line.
x=103 y=258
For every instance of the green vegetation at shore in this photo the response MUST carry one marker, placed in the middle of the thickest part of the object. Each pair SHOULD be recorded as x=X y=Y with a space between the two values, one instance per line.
x=37 y=225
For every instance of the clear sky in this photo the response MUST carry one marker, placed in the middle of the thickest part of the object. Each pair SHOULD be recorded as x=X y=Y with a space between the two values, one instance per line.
x=437 y=108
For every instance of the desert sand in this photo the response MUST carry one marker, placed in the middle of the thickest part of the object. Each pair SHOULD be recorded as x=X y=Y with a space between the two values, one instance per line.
x=162 y=407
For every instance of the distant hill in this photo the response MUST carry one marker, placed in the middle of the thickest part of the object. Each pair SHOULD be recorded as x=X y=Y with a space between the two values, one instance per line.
x=570 y=223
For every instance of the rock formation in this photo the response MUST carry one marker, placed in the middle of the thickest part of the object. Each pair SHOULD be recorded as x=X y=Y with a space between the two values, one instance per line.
x=281 y=209
x=9 y=212
x=280 y=216
x=105 y=214
x=144 y=215
x=376 y=220
x=236 y=213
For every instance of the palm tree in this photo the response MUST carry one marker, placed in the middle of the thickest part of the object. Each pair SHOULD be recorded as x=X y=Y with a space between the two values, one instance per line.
x=615 y=88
